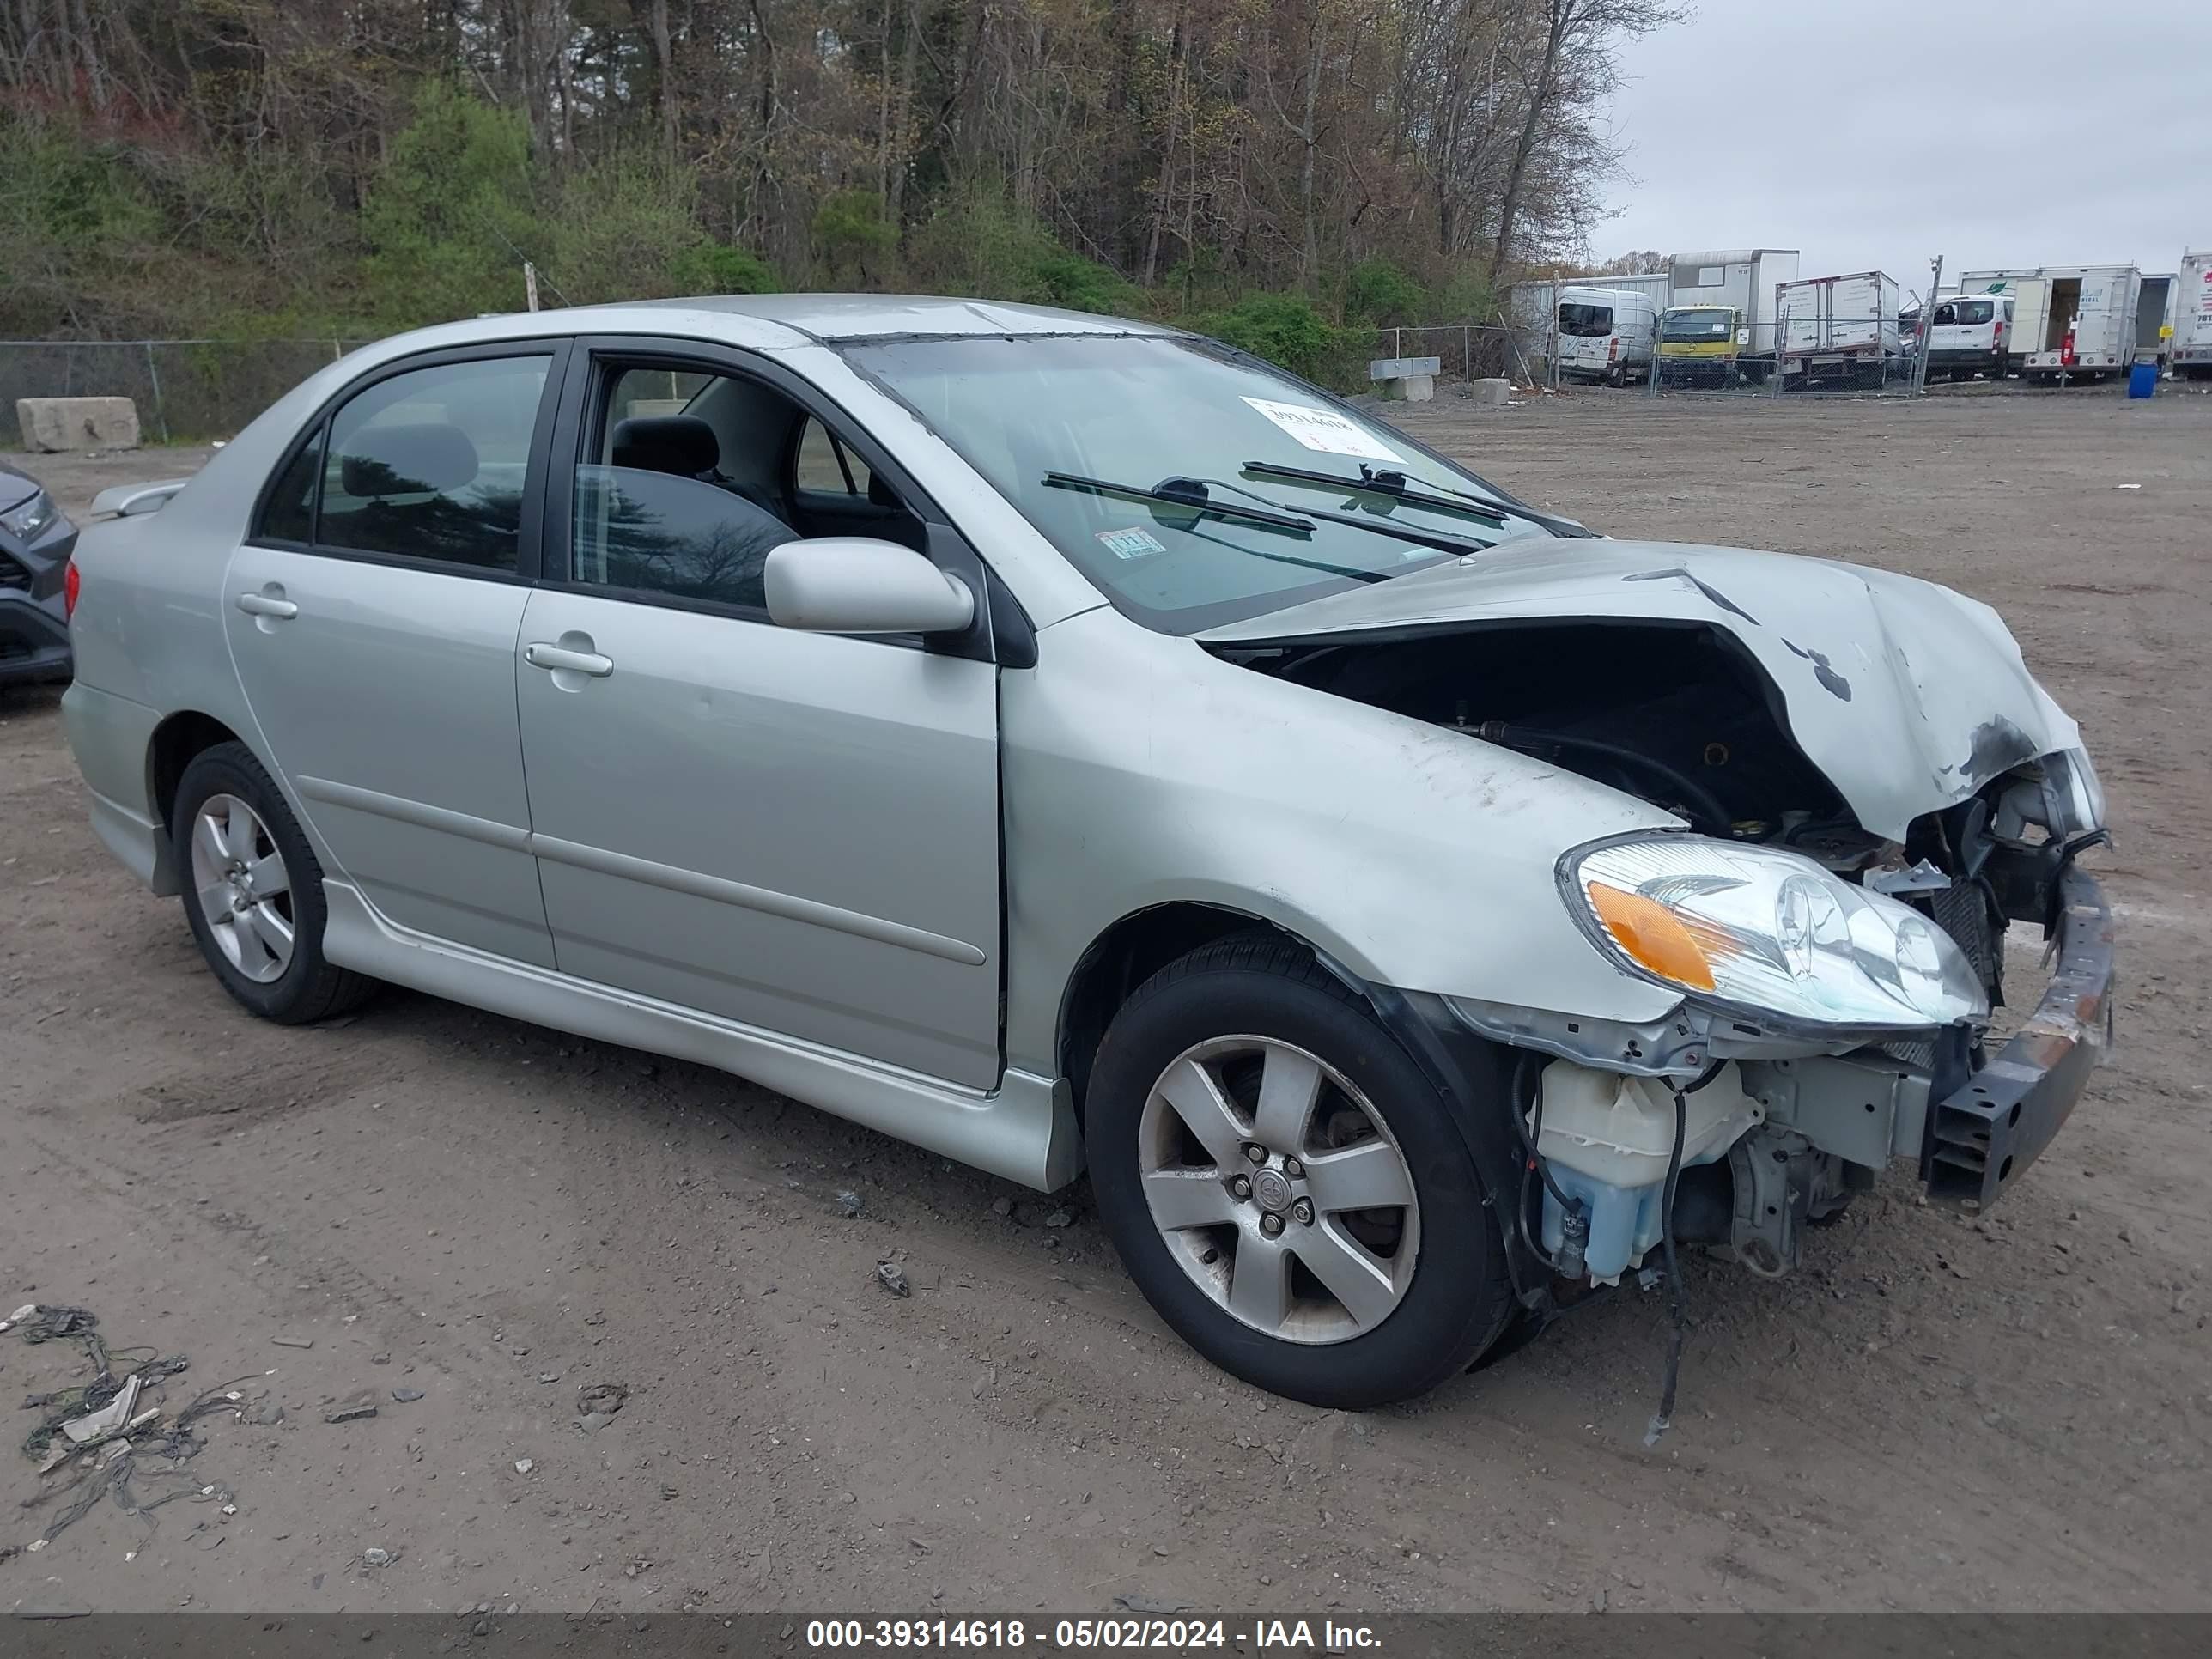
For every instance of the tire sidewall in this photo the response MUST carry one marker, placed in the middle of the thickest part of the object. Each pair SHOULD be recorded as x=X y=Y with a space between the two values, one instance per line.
x=1458 y=1298
x=231 y=770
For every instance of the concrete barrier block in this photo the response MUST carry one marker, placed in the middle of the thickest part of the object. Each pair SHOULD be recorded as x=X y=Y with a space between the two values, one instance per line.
x=56 y=423
x=1491 y=393
x=1411 y=388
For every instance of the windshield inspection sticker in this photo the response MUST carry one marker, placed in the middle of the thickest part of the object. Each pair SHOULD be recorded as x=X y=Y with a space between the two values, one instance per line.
x=1324 y=429
x=1132 y=544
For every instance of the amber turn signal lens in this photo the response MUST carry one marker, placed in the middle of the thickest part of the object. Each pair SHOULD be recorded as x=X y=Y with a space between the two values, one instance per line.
x=1652 y=936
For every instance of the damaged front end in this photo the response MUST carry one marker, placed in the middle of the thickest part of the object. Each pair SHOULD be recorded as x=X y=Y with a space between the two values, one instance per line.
x=1871 y=789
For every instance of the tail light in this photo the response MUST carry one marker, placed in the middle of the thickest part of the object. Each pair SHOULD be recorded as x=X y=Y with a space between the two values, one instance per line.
x=1613 y=349
x=69 y=590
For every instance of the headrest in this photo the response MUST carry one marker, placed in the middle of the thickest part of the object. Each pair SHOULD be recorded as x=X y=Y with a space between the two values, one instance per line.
x=414 y=459
x=682 y=444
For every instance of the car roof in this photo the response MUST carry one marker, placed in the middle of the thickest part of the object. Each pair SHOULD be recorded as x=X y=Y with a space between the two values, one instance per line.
x=879 y=316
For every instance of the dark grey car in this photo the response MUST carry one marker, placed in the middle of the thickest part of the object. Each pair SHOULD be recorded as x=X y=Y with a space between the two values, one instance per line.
x=36 y=540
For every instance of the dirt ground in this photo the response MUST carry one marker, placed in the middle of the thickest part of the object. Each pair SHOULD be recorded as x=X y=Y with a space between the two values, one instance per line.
x=1932 y=1415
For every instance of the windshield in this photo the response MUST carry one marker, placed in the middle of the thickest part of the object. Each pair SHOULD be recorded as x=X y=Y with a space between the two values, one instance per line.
x=1700 y=326
x=1072 y=428
x=1581 y=322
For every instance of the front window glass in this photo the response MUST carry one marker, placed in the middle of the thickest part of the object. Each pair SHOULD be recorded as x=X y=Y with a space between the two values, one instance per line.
x=431 y=464
x=1698 y=327
x=1066 y=428
x=1585 y=322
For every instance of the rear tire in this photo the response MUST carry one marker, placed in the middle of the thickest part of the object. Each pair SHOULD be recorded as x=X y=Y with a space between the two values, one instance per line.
x=253 y=892
x=1198 y=1048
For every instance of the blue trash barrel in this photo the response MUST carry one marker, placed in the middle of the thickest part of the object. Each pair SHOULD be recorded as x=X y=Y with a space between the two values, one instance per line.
x=2142 y=380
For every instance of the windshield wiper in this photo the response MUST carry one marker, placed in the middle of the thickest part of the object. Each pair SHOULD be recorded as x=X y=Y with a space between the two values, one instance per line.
x=1189 y=493
x=1391 y=483
x=1379 y=483
x=1442 y=540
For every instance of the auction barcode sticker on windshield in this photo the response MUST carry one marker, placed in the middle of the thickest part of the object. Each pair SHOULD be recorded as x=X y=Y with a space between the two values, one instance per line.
x=1324 y=429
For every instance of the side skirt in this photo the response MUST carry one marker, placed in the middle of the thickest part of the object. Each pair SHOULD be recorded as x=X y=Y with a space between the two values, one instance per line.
x=1025 y=1130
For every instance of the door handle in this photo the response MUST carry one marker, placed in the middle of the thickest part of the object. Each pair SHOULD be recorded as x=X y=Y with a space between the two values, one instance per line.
x=262 y=604
x=559 y=659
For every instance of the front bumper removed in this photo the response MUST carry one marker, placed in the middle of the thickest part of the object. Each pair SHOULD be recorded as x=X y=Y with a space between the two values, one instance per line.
x=1985 y=1131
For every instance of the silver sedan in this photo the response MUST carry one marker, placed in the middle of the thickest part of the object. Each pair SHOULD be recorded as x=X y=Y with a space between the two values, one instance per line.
x=1058 y=741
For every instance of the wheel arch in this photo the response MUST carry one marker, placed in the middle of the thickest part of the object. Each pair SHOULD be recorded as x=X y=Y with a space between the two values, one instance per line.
x=1126 y=954
x=179 y=738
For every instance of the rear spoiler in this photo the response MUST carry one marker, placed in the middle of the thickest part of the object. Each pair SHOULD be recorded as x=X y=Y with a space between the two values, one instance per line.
x=127 y=500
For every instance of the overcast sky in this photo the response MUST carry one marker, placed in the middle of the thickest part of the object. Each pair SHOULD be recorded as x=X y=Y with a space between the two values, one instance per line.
x=1871 y=135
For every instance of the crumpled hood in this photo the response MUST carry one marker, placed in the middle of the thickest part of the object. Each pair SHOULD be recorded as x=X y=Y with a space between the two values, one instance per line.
x=1909 y=696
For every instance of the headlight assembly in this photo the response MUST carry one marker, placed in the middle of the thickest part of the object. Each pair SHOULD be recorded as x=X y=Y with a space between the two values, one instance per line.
x=1769 y=932
x=26 y=518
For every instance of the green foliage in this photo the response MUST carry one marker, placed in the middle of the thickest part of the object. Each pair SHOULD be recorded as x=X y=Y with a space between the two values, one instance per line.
x=1377 y=293
x=79 y=225
x=711 y=267
x=979 y=241
x=852 y=238
x=1463 y=296
x=451 y=212
x=1284 y=329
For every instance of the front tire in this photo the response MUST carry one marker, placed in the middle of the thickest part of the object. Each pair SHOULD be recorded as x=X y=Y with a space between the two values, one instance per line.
x=1286 y=1187
x=253 y=892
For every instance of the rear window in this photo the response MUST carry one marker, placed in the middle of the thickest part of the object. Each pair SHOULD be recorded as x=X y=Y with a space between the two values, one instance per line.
x=1585 y=322
x=1974 y=312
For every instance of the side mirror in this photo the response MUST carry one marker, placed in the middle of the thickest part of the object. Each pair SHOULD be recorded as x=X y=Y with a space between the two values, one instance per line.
x=858 y=584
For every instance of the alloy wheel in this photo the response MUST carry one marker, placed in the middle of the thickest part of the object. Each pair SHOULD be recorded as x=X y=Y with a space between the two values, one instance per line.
x=1279 y=1190
x=242 y=888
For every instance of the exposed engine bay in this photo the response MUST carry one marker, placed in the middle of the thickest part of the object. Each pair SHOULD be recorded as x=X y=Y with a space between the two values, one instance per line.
x=1745 y=1156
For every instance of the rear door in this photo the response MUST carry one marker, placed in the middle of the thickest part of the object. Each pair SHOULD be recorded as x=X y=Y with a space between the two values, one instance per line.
x=371 y=618
x=795 y=831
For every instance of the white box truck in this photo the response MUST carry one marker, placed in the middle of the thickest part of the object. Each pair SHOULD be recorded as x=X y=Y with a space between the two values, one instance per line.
x=1839 y=330
x=2191 y=352
x=1744 y=280
x=2086 y=329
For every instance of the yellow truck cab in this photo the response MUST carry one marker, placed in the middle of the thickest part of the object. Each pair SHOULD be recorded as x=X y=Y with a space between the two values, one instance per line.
x=1701 y=343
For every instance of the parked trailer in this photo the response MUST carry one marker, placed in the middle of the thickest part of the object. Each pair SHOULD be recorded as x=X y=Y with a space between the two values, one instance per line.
x=1837 y=328
x=2088 y=329
x=1744 y=279
x=2191 y=352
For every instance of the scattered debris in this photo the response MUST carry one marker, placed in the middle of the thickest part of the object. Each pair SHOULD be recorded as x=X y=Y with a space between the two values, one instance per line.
x=376 y=1558
x=2127 y=486
x=603 y=1398
x=850 y=1204
x=892 y=1278
x=406 y=1396
x=18 y=1317
x=347 y=1414
x=524 y=1465
x=1002 y=1206
x=294 y=1341
x=98 y=1426
x=1059 y=1218
x=592 y=1422
x=1150 y=1604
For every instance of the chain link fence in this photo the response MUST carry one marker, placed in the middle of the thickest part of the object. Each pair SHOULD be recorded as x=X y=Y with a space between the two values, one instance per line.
x=186 y=391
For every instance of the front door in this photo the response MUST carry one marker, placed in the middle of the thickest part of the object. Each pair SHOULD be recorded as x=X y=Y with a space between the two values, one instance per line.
x=796 y=831
x=372 y=618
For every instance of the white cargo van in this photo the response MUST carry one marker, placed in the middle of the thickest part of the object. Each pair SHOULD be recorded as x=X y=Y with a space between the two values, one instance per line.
x=1970 y=334
x=2191 y=352
x=1605 y=333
